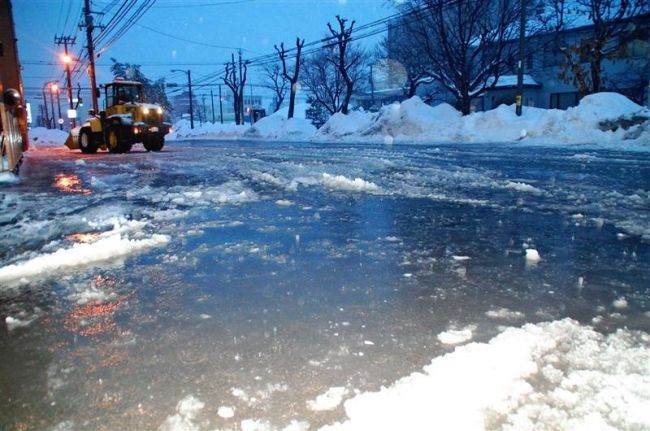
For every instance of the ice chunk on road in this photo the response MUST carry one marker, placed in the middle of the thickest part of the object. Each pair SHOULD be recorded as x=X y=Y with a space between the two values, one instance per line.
x=226 y=412
x=522 y=187
x=329 y=400
x=186 y=411
x=343 y=183
x=457 y=336
x=532 y=256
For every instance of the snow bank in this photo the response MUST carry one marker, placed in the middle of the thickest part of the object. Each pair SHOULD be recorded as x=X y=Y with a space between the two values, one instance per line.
x=415 y=121
x=278 y=127
x=182 y=130
x=520 y=380
x=110 y=245
x=42 y=138
x=275 y=126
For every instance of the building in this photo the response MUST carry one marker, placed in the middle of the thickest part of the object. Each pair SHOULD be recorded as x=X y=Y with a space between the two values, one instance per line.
x=627 y=73
x=13 y=118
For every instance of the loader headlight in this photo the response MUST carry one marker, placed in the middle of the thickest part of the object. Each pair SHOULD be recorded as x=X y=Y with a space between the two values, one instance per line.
x=145 y=111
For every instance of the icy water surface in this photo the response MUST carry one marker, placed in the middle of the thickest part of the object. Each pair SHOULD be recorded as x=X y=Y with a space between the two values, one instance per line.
x=258 y=286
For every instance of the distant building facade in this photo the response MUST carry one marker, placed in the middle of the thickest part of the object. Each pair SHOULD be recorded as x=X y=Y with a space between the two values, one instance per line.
x=628 y=73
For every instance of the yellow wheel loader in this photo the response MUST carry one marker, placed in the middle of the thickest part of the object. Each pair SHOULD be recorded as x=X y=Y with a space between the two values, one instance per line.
x=127 y=120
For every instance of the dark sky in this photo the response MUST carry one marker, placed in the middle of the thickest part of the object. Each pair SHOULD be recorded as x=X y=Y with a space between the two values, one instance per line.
x=252 y=25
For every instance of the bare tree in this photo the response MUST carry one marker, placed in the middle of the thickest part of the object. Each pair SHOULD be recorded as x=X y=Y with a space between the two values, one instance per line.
x=584 y=57
x=276 y=83
x=348 y=60
x=236 y=82
x=323 y=80
x=293 y=78
x=464 y=42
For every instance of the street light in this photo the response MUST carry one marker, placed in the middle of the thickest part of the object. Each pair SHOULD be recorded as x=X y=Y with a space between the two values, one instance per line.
x=47 y=114
x=67 y=60
x=189 y=84
x=54 y=89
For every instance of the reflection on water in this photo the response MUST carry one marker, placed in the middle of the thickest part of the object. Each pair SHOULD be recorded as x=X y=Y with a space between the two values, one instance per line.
x=257 y=308
x=70 y=183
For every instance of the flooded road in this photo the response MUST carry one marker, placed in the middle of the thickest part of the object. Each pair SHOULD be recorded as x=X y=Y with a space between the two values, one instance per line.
x=251 y=286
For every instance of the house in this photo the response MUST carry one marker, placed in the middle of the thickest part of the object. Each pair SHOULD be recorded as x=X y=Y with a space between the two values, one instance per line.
x=628 y=72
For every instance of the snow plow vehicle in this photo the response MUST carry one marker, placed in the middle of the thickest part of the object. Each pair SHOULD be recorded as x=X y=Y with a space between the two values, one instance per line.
x=126 y=121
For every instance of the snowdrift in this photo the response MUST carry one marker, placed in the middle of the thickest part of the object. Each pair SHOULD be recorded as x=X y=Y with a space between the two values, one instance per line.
x=607 y=119
x=603 y=119
x=414 y=121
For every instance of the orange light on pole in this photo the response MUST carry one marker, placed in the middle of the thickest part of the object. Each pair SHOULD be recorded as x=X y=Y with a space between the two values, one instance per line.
x=54 y=89
x=66 y=59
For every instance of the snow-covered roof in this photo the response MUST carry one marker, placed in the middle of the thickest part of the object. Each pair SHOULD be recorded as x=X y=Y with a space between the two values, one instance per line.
x=508 y=81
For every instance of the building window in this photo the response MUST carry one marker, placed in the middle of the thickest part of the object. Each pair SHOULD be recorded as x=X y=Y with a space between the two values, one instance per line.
x=564 y=100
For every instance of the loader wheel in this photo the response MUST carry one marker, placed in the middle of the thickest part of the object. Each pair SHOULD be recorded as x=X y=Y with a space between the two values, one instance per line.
x=154 y=143
x=117 y=143
x=87 y=144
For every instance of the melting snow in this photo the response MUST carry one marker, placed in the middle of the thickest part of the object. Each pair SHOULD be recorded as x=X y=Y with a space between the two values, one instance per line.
x=342 y=183
x=329 y=400
x=520 y=379
x=186 y=411
x=109 y=246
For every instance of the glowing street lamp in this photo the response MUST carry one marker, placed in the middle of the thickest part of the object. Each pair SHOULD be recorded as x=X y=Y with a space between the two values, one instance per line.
x=54 y=89
x=67 y=60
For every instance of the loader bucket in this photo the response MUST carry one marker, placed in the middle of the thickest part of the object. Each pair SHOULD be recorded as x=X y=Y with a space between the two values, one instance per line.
x=73 y=139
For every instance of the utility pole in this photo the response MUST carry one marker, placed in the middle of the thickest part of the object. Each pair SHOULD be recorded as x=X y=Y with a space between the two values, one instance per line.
x=47 y=115
x=241 y=93
x=89 y=24
x=65 y=41
x=189 y=84
x=58 y=103
x=250 y=113
x=51 y=85
x=522 y=57
x=203 y=117
x=212 y=100
x=220 y=105
x=372 y=88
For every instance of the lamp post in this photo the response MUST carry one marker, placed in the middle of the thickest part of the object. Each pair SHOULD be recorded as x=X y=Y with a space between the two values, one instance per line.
x=54 y=89
x=189 y=84
x=67 y=60
x=47 y=114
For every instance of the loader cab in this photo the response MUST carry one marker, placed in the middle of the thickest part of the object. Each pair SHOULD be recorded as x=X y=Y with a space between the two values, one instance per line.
x=120 y=93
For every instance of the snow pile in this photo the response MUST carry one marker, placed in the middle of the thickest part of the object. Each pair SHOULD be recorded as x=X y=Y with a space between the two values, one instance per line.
x=413 y=117
x=275 y=126
x=186 y=411
x=41 y=138
x=340 y=125
x=182 y=130
x=299 y=111
x=601 y=107
x=551 y=376
x=278 y=127
x=124 y=239
x=414 y=121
